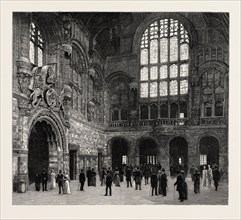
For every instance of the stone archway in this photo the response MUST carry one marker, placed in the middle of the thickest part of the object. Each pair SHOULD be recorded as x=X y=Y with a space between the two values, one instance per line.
x=42 y=148
x=47 y=145
x=209 y=150
x=178 y=151
x=119 y=152
x=148 y=152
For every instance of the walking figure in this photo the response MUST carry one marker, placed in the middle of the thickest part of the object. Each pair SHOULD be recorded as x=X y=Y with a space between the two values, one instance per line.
x=108 y=183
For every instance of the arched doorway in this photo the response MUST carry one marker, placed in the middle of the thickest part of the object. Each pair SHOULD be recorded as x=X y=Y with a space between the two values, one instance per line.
x=178 y=151
x=42 y=142
x=119 y=152
x=148 y=152
x=209 y=151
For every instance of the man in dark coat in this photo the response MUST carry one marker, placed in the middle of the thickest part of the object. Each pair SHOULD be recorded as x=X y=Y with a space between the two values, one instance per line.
x=128 y=176
x=216 y=177
x=103 y=176
x=154 y=181
x=192 y=172
x=82 y=180
x=108 y=183
x=180 y=186
x=37 y=180
x=196 y=179
x=164 y=183
x=44 y=179
x=60 y=181
x=89 y=176
x=138 y=178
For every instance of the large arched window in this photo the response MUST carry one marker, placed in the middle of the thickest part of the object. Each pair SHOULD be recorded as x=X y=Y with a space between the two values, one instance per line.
x=164 y=64
x=36 y=46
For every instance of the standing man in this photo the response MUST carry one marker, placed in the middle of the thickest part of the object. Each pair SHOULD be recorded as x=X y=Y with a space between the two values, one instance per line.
x=164 y=182
x=154 y=181
x=216 y=177
x=44 y=178
x=138 y=178
x=192 y=172
x=128 y=176
x=180 y=186
x=82 y=179
x=196 y=179
x=60 y=181
x=89 y=175
x=108 y=183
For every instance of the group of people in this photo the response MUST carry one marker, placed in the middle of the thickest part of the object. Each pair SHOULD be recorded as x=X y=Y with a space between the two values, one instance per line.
x=208 y=175
x=158 y=179
x=62 y=179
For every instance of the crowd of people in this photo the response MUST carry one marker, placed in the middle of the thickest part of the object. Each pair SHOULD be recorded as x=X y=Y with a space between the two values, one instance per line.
x=156 y=175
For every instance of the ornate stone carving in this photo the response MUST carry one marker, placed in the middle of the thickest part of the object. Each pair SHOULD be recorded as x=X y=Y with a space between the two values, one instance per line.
x=67 y=27
x=133 y=118
x=64 y=102
x=90 y=110
x=43 y=86
x=195 y=116
x=24 y=75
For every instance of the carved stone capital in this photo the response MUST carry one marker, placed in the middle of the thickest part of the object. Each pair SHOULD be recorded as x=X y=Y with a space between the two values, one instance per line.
x=24 y=75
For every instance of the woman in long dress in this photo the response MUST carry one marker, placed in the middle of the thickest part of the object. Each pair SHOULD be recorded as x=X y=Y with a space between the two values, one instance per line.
x=117 y=177
x=159 y=174
x=204 y=174
x=53 y=179
x=66 y=183
x=209 y=176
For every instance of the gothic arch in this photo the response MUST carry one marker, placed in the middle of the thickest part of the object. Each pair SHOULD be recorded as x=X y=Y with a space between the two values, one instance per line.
x=208 y=134
x=118 y=74
x=110 y=141
x=154 y=16
x=53 y=120
x=139 y=140
x=223 y=67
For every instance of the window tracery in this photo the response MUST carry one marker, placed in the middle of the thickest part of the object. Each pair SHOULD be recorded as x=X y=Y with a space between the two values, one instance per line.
x=164 y=66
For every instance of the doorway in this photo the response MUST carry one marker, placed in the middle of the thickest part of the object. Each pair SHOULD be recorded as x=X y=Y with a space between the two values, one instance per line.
x=178 y=152
x=119 y=153
x=72 y=164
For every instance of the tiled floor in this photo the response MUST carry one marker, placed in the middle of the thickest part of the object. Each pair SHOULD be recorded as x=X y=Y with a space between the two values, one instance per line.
x=122 y=196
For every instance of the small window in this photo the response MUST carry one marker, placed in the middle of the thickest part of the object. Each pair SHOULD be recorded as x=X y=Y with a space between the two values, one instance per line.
x=144 y=112
x=124 y=159
x=154 y=111
x=36 y=45
x=218 y=109
x=174 y=110
x=164 y=111
x=203 y=159
x=208 y=111
x=115 y=115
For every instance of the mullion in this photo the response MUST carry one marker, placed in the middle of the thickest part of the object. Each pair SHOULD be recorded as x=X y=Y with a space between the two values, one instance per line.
x=178 y=68
x=158 y=69
x=168 y=67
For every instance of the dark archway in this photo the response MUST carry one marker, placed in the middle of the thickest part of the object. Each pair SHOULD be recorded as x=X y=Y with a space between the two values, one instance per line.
x=178 y=151
x=119 y=152
x=41 y=139
x=148 y=152
x=209 y=151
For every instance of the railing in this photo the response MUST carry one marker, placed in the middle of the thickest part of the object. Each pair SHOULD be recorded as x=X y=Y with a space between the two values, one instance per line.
x=212 y=121
x=150 y=122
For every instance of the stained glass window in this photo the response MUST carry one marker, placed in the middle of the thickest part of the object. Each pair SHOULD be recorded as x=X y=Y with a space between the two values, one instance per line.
x=184 y=51
x=163 y=88
x=163 y=49
x=183 y=87
x=173 y=87
x=144 y=90
x=144 y=56
x=36 y=45
x=163 y=72
x=184 y=70
x=144 y=74
x=173 y=71
x=164 y=62
x=153 y=73
x=153 y=89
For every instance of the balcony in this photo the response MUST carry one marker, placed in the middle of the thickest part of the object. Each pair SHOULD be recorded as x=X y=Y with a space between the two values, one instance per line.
x=212 y=120
x=150 y=122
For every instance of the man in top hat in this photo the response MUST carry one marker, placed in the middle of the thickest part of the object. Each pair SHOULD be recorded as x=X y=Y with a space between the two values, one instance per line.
x=44 y=178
